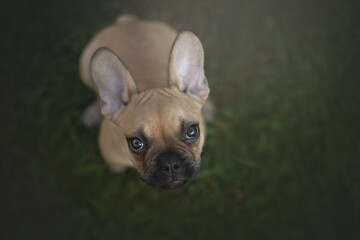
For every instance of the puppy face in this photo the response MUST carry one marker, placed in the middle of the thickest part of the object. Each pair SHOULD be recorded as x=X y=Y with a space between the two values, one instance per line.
x=163 y=127
x=165 y=134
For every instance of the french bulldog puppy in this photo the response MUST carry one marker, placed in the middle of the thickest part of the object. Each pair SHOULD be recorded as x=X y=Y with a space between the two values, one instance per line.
x=151 y=90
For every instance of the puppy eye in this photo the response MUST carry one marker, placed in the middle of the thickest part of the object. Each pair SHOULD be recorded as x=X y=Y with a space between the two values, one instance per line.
x=136 y=145
x=192 y=132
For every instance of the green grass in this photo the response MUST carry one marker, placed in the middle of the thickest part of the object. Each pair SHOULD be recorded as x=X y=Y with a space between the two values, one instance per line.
x=281 y=159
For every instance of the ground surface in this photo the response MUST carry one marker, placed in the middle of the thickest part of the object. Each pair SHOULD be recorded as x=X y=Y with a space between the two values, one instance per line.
x=282 y=156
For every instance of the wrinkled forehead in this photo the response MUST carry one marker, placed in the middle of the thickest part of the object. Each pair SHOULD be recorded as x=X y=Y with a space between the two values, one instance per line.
x=160 y=112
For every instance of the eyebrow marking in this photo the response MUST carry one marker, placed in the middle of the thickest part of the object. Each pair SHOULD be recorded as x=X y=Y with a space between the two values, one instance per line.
x=138 y=133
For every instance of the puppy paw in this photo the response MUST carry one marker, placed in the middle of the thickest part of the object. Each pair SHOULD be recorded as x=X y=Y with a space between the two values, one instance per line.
x=92 y=115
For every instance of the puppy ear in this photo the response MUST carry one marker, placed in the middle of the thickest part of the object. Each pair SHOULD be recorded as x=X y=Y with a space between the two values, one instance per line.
x=186 y=66
x=113 y=80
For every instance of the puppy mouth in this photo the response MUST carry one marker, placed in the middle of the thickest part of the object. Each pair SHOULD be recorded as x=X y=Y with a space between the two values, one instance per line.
x=171 y=184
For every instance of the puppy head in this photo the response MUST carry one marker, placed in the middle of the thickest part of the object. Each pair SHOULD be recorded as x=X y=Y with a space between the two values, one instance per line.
x=163 y=126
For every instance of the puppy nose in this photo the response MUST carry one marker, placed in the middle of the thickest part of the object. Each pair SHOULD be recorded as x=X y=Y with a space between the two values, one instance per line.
x=169 y=163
